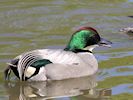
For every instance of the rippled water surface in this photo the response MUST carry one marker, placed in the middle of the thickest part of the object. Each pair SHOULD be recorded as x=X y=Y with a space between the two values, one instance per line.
x=31 y=24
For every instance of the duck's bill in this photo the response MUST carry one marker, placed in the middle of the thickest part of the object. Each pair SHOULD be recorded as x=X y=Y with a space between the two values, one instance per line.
x=105 y=43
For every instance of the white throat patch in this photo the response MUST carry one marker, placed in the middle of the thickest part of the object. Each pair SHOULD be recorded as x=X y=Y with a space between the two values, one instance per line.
x=90 y=48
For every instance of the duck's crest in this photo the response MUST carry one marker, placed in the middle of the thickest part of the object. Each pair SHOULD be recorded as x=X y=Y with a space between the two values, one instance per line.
x=86 y=28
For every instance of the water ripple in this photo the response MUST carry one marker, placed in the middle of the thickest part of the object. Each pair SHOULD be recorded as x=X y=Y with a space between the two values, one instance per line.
x=107 y=56
x=123 y=88
x=112 y=72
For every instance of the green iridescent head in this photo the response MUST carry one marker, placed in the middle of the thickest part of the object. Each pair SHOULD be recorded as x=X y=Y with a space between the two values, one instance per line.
x=86 y=38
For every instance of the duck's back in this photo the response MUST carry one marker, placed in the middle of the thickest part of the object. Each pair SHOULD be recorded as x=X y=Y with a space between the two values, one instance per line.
x=59 y=56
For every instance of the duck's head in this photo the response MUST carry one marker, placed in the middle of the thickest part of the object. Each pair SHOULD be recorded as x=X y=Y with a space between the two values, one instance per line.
x=85 y=39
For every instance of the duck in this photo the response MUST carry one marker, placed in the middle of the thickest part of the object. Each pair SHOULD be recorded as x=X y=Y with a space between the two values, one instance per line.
x=74 y=61
x=127 y=30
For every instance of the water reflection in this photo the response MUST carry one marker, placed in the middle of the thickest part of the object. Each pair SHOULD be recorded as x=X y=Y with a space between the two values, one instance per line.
x=55 y=89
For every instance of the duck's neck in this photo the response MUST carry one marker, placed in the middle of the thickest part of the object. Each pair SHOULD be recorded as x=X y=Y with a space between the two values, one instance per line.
x=77 y=50
x=73 y=48
x=75 y=45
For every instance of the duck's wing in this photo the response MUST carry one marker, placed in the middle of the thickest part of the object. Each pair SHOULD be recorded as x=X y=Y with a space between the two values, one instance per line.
x=32 y=61
x=20 y=64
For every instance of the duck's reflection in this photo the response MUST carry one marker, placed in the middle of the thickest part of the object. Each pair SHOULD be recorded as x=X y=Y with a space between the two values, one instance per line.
x=53 y=89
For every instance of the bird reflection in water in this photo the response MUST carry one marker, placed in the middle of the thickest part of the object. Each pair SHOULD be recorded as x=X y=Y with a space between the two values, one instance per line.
x=81 y=88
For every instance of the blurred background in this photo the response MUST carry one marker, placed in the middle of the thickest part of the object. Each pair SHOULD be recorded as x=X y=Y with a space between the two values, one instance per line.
x=32 y=24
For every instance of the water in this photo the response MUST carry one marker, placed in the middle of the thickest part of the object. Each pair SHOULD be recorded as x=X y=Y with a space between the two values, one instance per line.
x=29 y=24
